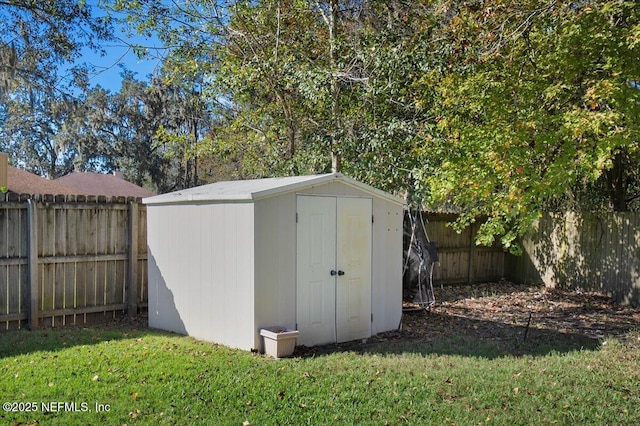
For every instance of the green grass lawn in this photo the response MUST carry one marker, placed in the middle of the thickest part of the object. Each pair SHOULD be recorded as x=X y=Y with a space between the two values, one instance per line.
x=137 y=376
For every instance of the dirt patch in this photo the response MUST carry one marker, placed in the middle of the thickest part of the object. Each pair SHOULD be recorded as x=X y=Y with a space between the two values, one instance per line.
x=514 y=319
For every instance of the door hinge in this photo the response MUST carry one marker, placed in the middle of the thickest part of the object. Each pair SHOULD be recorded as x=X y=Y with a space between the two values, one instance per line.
x=296 y=217
x=372 y=219
x=372 y=317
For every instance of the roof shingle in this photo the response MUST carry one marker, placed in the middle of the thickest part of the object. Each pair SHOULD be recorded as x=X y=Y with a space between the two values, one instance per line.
x=102 y=184
x=22 y=182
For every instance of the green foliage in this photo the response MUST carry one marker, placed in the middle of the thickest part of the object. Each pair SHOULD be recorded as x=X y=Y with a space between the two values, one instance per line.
x=32 y=124
x=40 y=47
x=153 y=133
x=293 y=83
x=274 y=69
x=500 y=110
x=543 y=100
x=38 y=37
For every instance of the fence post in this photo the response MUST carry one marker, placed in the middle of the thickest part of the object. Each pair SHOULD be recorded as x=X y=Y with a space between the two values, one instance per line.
x=472 y=255
x=32 y=232
x=132 y=271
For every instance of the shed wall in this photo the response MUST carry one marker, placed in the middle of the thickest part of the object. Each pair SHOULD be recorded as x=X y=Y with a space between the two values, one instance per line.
x=275 y=260
x=386 y=276
x=201 y=271
x=387 y=266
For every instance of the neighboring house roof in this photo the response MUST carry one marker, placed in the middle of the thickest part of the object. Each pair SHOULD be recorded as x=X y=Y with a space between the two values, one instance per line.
x=102 y=184
x=255 y=189
x=22 y=182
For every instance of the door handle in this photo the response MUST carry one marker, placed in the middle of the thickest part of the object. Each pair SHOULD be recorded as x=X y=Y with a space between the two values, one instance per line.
x=340 y=273
x=333 y=272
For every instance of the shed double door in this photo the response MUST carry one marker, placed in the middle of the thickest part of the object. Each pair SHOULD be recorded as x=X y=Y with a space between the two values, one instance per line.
x=333 y=269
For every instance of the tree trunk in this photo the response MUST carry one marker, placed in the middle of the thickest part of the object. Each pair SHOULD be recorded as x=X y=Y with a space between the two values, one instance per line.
x=335 y=88
x=195 y=156
x=618 y=184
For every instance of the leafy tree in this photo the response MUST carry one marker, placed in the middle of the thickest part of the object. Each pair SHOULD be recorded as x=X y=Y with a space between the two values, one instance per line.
x=92 y=131
x=276 y=69
x=245 y=69
x=151 y=132
x=542 y=100
x=39 y=46
x=392 y=117
x=332 y=80
x=40 y=36
x=117 y=132
x=502 y=109
x=185 y=132
x=32 y=120
x=295 y=83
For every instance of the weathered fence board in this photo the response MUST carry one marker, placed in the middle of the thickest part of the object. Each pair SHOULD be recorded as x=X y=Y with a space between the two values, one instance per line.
x=12 y=267
x=142 y=258
x=67 y=261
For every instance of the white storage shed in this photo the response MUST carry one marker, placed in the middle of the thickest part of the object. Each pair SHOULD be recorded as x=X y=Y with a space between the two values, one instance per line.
x=321 y=254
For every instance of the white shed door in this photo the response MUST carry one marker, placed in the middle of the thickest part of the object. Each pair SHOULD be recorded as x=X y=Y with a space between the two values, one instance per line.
x=333 y=269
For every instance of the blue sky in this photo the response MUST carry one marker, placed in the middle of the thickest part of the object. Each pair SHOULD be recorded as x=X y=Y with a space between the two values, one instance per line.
x=119 y=54
x=109 y=67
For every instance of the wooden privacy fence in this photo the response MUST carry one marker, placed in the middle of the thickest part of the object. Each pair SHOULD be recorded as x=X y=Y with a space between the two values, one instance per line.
x=586 y=251
x=70 y=259
x=461 y=260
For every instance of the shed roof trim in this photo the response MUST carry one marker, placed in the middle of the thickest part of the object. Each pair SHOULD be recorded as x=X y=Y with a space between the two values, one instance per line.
x=255 y=189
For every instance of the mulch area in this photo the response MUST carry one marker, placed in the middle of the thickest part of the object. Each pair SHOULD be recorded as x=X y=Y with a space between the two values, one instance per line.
x=514 y=317
x=590 y=314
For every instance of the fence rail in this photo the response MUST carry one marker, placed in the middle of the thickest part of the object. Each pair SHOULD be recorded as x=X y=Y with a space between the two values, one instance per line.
x=70 y=259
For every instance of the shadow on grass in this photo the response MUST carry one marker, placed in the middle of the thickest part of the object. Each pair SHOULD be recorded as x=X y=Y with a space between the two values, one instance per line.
x=488 y=326
x=453 y=335
x=20 y=342
x=494 y=320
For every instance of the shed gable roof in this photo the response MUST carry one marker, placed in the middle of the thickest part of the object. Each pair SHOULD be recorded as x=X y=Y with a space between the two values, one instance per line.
x=255 y=189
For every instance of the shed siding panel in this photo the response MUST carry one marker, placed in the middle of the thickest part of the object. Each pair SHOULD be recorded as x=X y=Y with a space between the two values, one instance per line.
x=275 y=285
x=387 y=258
x=215 y=300
x=207 y=267
x=187 y=251
x=162 y=311
x=335 y=188
x=201 y=271
x=244 y=314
